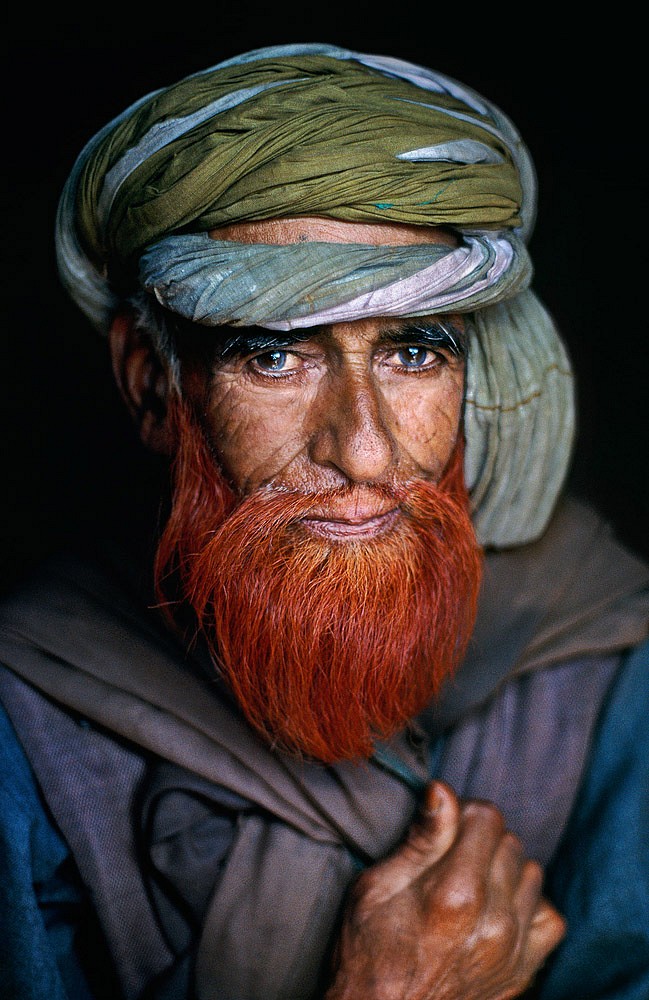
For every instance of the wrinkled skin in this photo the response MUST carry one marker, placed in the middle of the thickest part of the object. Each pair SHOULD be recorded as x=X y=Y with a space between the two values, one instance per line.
x=455 y=913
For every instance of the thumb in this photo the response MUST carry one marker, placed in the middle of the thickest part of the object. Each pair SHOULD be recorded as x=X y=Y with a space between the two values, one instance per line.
x=428 y=839
x=436 y=827
x=431 y=835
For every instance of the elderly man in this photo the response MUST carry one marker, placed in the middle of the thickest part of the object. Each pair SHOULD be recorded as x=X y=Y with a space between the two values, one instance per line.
x=369 y=724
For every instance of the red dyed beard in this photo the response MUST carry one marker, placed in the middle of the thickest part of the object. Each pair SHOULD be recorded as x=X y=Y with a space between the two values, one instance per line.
x=326 y=645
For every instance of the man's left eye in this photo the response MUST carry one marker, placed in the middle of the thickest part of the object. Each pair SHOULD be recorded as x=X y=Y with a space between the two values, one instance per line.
x=414 y=357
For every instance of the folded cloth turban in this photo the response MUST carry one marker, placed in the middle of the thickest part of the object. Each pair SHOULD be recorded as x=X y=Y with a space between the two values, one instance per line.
x=319 y=130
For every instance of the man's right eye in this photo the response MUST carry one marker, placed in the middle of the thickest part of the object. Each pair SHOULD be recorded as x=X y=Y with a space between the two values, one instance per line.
x=278 y=362
x=271 y=361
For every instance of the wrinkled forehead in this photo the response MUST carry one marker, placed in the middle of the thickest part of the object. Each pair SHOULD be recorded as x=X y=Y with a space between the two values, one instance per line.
x=305 y=229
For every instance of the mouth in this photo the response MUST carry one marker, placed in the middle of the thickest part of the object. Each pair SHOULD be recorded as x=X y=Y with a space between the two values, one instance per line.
x=354 y=527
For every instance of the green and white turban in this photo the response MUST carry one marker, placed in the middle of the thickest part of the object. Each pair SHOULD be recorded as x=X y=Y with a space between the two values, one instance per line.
x=319 y=130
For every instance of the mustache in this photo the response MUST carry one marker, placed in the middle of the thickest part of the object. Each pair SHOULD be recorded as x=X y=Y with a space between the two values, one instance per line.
x=363 y=499
x=346 y=501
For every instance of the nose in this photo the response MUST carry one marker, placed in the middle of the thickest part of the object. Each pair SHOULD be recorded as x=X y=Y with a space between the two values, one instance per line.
x=350 y=432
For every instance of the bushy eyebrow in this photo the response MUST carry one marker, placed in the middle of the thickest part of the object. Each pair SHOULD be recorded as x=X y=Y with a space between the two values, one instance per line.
x=439 y=333
x=250 y=339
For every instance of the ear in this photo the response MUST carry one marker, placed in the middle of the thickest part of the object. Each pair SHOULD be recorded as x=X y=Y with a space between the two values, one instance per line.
x=144 y=383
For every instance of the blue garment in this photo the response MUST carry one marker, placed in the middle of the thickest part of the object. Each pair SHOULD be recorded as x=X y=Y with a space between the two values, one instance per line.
x=46 y=923
x=599 y=878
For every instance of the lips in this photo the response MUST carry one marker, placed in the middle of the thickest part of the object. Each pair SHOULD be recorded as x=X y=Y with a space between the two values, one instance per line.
x=354 y=527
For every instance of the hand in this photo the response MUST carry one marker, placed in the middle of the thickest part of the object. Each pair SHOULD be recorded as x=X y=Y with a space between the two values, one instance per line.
x=455 y=913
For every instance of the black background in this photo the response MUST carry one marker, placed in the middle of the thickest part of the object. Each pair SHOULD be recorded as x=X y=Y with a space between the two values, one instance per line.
x=578 y=97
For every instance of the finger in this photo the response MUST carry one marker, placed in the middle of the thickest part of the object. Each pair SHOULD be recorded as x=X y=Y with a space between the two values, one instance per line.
x=436 y=827
x=481 y=830
x=547 y=930
x=527 y=896
x=506 y=869
x=427 y=839
x=514 y=892
x=432 y=833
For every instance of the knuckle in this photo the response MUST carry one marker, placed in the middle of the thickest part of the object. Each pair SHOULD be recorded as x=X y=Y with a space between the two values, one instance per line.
x=418 y=839
x=367 y=882
x=555 y=925
x=500 y=928
x=484 y=812
x=458 y=895
x=560 y=929
x=362 y=891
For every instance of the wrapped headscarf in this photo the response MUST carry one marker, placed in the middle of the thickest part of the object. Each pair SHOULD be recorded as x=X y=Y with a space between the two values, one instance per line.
x=319 y=130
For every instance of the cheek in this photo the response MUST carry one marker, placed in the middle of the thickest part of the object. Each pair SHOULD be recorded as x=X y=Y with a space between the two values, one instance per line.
x=255 y=435
x=427 y=421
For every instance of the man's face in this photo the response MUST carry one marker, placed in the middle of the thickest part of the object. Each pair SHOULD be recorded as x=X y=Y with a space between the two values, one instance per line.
x=320 y=528
x=364 y=402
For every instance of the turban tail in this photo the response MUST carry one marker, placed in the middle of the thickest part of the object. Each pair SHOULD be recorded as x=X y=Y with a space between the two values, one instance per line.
x=319 y=130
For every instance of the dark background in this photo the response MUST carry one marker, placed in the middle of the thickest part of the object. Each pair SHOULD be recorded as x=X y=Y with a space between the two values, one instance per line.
x=71 y=460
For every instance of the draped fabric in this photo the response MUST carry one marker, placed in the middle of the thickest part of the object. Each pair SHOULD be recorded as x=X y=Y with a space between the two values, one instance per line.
x=320 y=130
x=166 y=798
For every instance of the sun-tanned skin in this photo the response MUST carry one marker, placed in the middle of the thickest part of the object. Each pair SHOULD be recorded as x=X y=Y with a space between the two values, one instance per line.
x=456 y=913
x=347 y=405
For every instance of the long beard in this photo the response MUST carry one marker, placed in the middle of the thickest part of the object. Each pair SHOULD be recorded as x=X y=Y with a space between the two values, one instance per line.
x=326 y=645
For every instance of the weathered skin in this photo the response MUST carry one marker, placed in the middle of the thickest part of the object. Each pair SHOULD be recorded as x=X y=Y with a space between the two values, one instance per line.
x=455 y=913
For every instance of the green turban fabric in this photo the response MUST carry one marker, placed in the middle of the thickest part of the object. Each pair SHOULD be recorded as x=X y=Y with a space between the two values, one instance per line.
x=320 y=130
